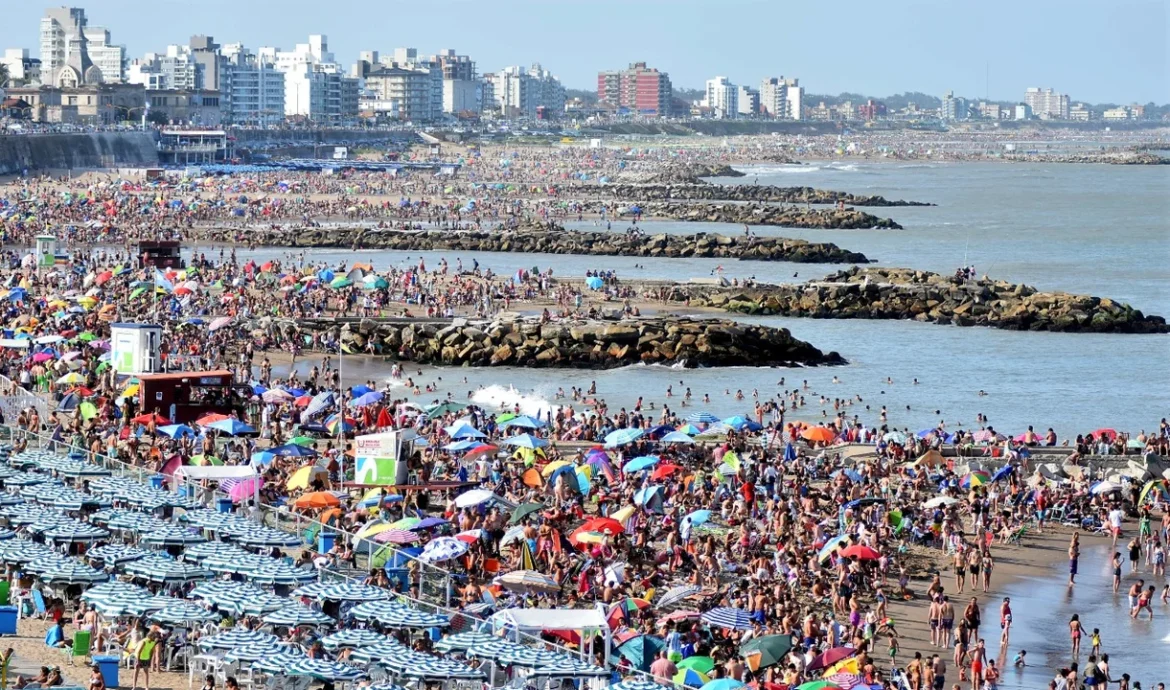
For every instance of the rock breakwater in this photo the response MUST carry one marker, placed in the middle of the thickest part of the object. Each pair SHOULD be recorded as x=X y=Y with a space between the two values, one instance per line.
x=897 y=293
x=746 y=192
x=594 y=344
x=546 y=239
x=759 y=214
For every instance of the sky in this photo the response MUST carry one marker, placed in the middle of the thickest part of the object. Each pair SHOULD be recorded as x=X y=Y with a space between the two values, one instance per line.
x=1094 y=50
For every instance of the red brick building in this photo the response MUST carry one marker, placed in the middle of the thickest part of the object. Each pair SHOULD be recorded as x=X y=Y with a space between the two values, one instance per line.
x=638 y=89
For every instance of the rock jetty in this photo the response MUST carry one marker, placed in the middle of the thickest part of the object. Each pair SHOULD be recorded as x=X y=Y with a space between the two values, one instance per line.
x=745 y=192
x=594 y=344
x=689 y=173
x=899 y=293
x=760 y=214
x=546 y=239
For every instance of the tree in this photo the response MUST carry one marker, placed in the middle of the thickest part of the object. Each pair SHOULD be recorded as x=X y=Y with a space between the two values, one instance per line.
x=3 y=75
x=158 y=117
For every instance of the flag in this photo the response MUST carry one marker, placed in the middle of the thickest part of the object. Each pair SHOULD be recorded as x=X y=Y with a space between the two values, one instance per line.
x=161 y=281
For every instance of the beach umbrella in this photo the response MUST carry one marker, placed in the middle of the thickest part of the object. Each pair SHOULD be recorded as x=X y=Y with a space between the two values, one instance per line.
x=940 y=501
x=728 y=618
x=435 y=411
x=319 y=669
x=524 y=510
x=698 y=517
x=205 y=460
x=316 y=499
x=822 y=684
x=861 y=553
x=622 y=437
x=1003 y=472
x=764 y=651
x=172 y=536
x=524 y=421
x=183 y=613
x=702 y=664
x=464 y=430
x=337 y=425
x=232 y=427
x=636 y=683
x=402 y=617
x=894 y=437
x=690 y=677
x=303 y=476
x=443 y=549
x=831 y=657
x=352 y=591
x=595 y=283
x=254 y=535
x=675 y=595
x=474 y=497
x=353 y=638
x=976 y=478
x=1103 y=487
x=527 y=580
x=640 y=463
x=525 y=441
x=72 y=573
x=819 y=434
x=237 y=637
x=367 y=399
x=699 y=417
x=676 y=437
x=1159 y=486
x=167 y=571
x=74 y=532
x=722 y=684
x=266 y=652
x=297 y=615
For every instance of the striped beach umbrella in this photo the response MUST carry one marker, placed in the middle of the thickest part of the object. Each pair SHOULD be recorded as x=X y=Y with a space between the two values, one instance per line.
x=19 y=551
x=636 y=683
x=6 y=534
x=702 y=418
x=385 y=650
x=460 y=642
x=259 y=605
x=319 y=669
x=527 y=581
x=622 y=437
x=443 y=549
x=27 y=479
x=72 y=468
x=47 y=562
x=427 y=668
x=252 y=653
x=404 y=618
x=352 y=638
x=113 y=588
x=263 y=536
x=352 y=591
x=122 y=603
x=529 y=657
x=197 y=553
x=568 y=667
x=166 y=570
x=132 y=521
x=10 y=500
x=676 y=594
x=75 y=532
x=172 y=535
x=310 y=591
x=728 y=618
x=215 y=520
x=113 y=554
x=494 y=650
x=240 y=564
x=275 y=572
x=182 y=613
x=298 y=614
x=397 y=536
x=237 y=637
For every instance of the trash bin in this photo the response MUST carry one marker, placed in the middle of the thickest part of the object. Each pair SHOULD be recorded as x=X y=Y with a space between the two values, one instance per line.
x=109 y=668
x=7 y=620
x=156 y=481
x=223 y=505
x=325 y=542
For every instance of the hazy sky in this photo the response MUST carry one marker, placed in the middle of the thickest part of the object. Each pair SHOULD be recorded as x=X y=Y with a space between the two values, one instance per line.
x=1094 y=50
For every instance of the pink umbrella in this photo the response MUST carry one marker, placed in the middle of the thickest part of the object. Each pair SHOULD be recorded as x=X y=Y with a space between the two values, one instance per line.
x=42 y=357
x=984 y=436
x=245 y=489
x=396 y=536
x=219 y=323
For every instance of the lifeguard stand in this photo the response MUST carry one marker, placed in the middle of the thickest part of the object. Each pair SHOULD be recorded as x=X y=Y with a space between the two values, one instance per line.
x=46 y=251
x=134 y=348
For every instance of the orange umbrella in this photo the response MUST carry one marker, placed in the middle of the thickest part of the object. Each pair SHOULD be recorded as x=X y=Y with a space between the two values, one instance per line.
x=821 y=434
x=317 y=499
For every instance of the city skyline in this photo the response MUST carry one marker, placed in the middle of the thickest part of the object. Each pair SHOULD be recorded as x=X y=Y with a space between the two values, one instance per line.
x=973 y=51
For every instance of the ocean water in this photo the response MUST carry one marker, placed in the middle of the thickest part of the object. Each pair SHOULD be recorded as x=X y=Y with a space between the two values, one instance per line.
x=1095 y=229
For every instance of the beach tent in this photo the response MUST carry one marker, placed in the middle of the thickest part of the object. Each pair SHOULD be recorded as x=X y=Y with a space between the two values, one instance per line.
x=218 y=472
x=931 y=458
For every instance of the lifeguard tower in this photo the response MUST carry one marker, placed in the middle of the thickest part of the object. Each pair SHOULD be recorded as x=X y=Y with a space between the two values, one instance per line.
x=46 y=252
x=135 y=348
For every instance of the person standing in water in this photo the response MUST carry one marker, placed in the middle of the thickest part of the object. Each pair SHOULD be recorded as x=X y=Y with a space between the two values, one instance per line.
x=1075 y=631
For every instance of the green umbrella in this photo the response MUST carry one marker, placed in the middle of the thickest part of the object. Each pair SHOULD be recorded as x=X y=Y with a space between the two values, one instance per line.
x=137 y=292
x=302 y=440
x=382 y=556
x=819 y=685
x=102 y=367
x=86 y=337
x=524 y=510
x=501 y=418
x=340 y=282
x=205 y=460
x=769 y=649
x=88 y=410
x=702 y=664
x=443 y=408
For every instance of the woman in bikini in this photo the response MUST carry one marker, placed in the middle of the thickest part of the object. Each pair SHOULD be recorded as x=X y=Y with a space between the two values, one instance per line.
x=1075 y=631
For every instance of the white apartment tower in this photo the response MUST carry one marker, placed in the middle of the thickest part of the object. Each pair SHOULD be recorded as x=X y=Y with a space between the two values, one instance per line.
x=722 y=97
x=1046 y=104
x=781 y=98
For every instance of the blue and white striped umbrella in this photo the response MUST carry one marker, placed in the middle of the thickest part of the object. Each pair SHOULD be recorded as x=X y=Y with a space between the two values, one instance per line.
x=72 y=499
x=10 y=500
x=239 y=597
x=314 y=668
x=185 y=612
x=28 y=479
x=113 y=554
x=172 y=535
x=200 y=552
x=298 y=614
x=275 y=653
x=702 y=418
x=138 y=522
x=49 y=520
x=166 y=570
x=72 y=468
x=75 y=532
x=375 y=610
x=384 y=686
x=215 y=520
x=113 y=589
x=388 y=648
x=260 y=605
x=495 y=649
x=728 y=618
x=240 y=564
x=352 y=638
x=263 y=536
x=6 y=534
x=20 y=551
x=280 y=573
x=352 y=591
x=405 y=618
x=622 y=437
x=636 y=683
x=155 y=603
x=237 y=637
x=311 y=590
x=49 y=561
x=529 y=657
x=463 y=641
x=6 y=472
x=568 y=668
x=426 y=667
x=442 y=549
x=123 y=604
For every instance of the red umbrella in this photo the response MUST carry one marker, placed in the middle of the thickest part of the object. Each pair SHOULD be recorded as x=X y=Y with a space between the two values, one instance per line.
x=664 y=470
x=863 y=553
x=481 y=449
x=211 y=418
x=149 y=417
x=384 y=419
x=604 y=525
x=103 y=277
x=830 y=657
x=1110 y=434
x=303 y=401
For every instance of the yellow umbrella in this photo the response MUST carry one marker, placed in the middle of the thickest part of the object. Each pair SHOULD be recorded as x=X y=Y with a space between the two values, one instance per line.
x=623 y=514
x=71 y=377
x=844 y=666
x=131 y=390
x=553 y=467
x=376 y=528
x=87 y=302
x=303 y=476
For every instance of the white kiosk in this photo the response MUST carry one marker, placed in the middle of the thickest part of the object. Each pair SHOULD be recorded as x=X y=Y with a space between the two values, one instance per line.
x=46 y=251
x=134 y=348
x=379 y=457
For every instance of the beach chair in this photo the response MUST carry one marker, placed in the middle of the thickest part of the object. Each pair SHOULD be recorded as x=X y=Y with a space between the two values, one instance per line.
x=5 y=591
x=40 y=610
x=1018 y=536
x=80 y=648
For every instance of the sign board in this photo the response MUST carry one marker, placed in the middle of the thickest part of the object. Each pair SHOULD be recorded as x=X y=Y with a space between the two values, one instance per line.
x=340 y=153
x=377 y=457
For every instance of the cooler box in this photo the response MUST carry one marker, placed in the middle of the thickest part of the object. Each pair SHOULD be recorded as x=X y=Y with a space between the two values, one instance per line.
x=108 y=665
x=156 y=481
x=325 y=542
x=223 y=505
x=7 y=620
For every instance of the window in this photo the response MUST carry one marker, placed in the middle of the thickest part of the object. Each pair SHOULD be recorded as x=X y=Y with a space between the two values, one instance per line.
x=72 y=100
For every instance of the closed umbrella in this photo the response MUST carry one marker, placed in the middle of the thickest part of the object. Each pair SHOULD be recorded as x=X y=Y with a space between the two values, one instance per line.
x=443 y=549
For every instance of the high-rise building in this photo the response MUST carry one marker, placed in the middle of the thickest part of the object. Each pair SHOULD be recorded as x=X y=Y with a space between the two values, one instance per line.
x=520 y=93
x=871 y=110
x=953 y=108
x=315 y=86
x=107 y=57
x=1047 y=104
x=175 y=69
x=22 y=69
x=253 y=90
x=638 y=88
x=781 y=98
x=722 y=98
x=749 y=102
x=65 y=62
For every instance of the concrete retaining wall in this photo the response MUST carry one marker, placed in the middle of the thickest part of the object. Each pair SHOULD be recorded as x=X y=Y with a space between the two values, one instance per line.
x=73 y=151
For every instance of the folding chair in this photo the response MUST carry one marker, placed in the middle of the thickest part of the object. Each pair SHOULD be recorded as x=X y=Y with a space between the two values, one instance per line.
x=81 y=642
x=39 y=603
